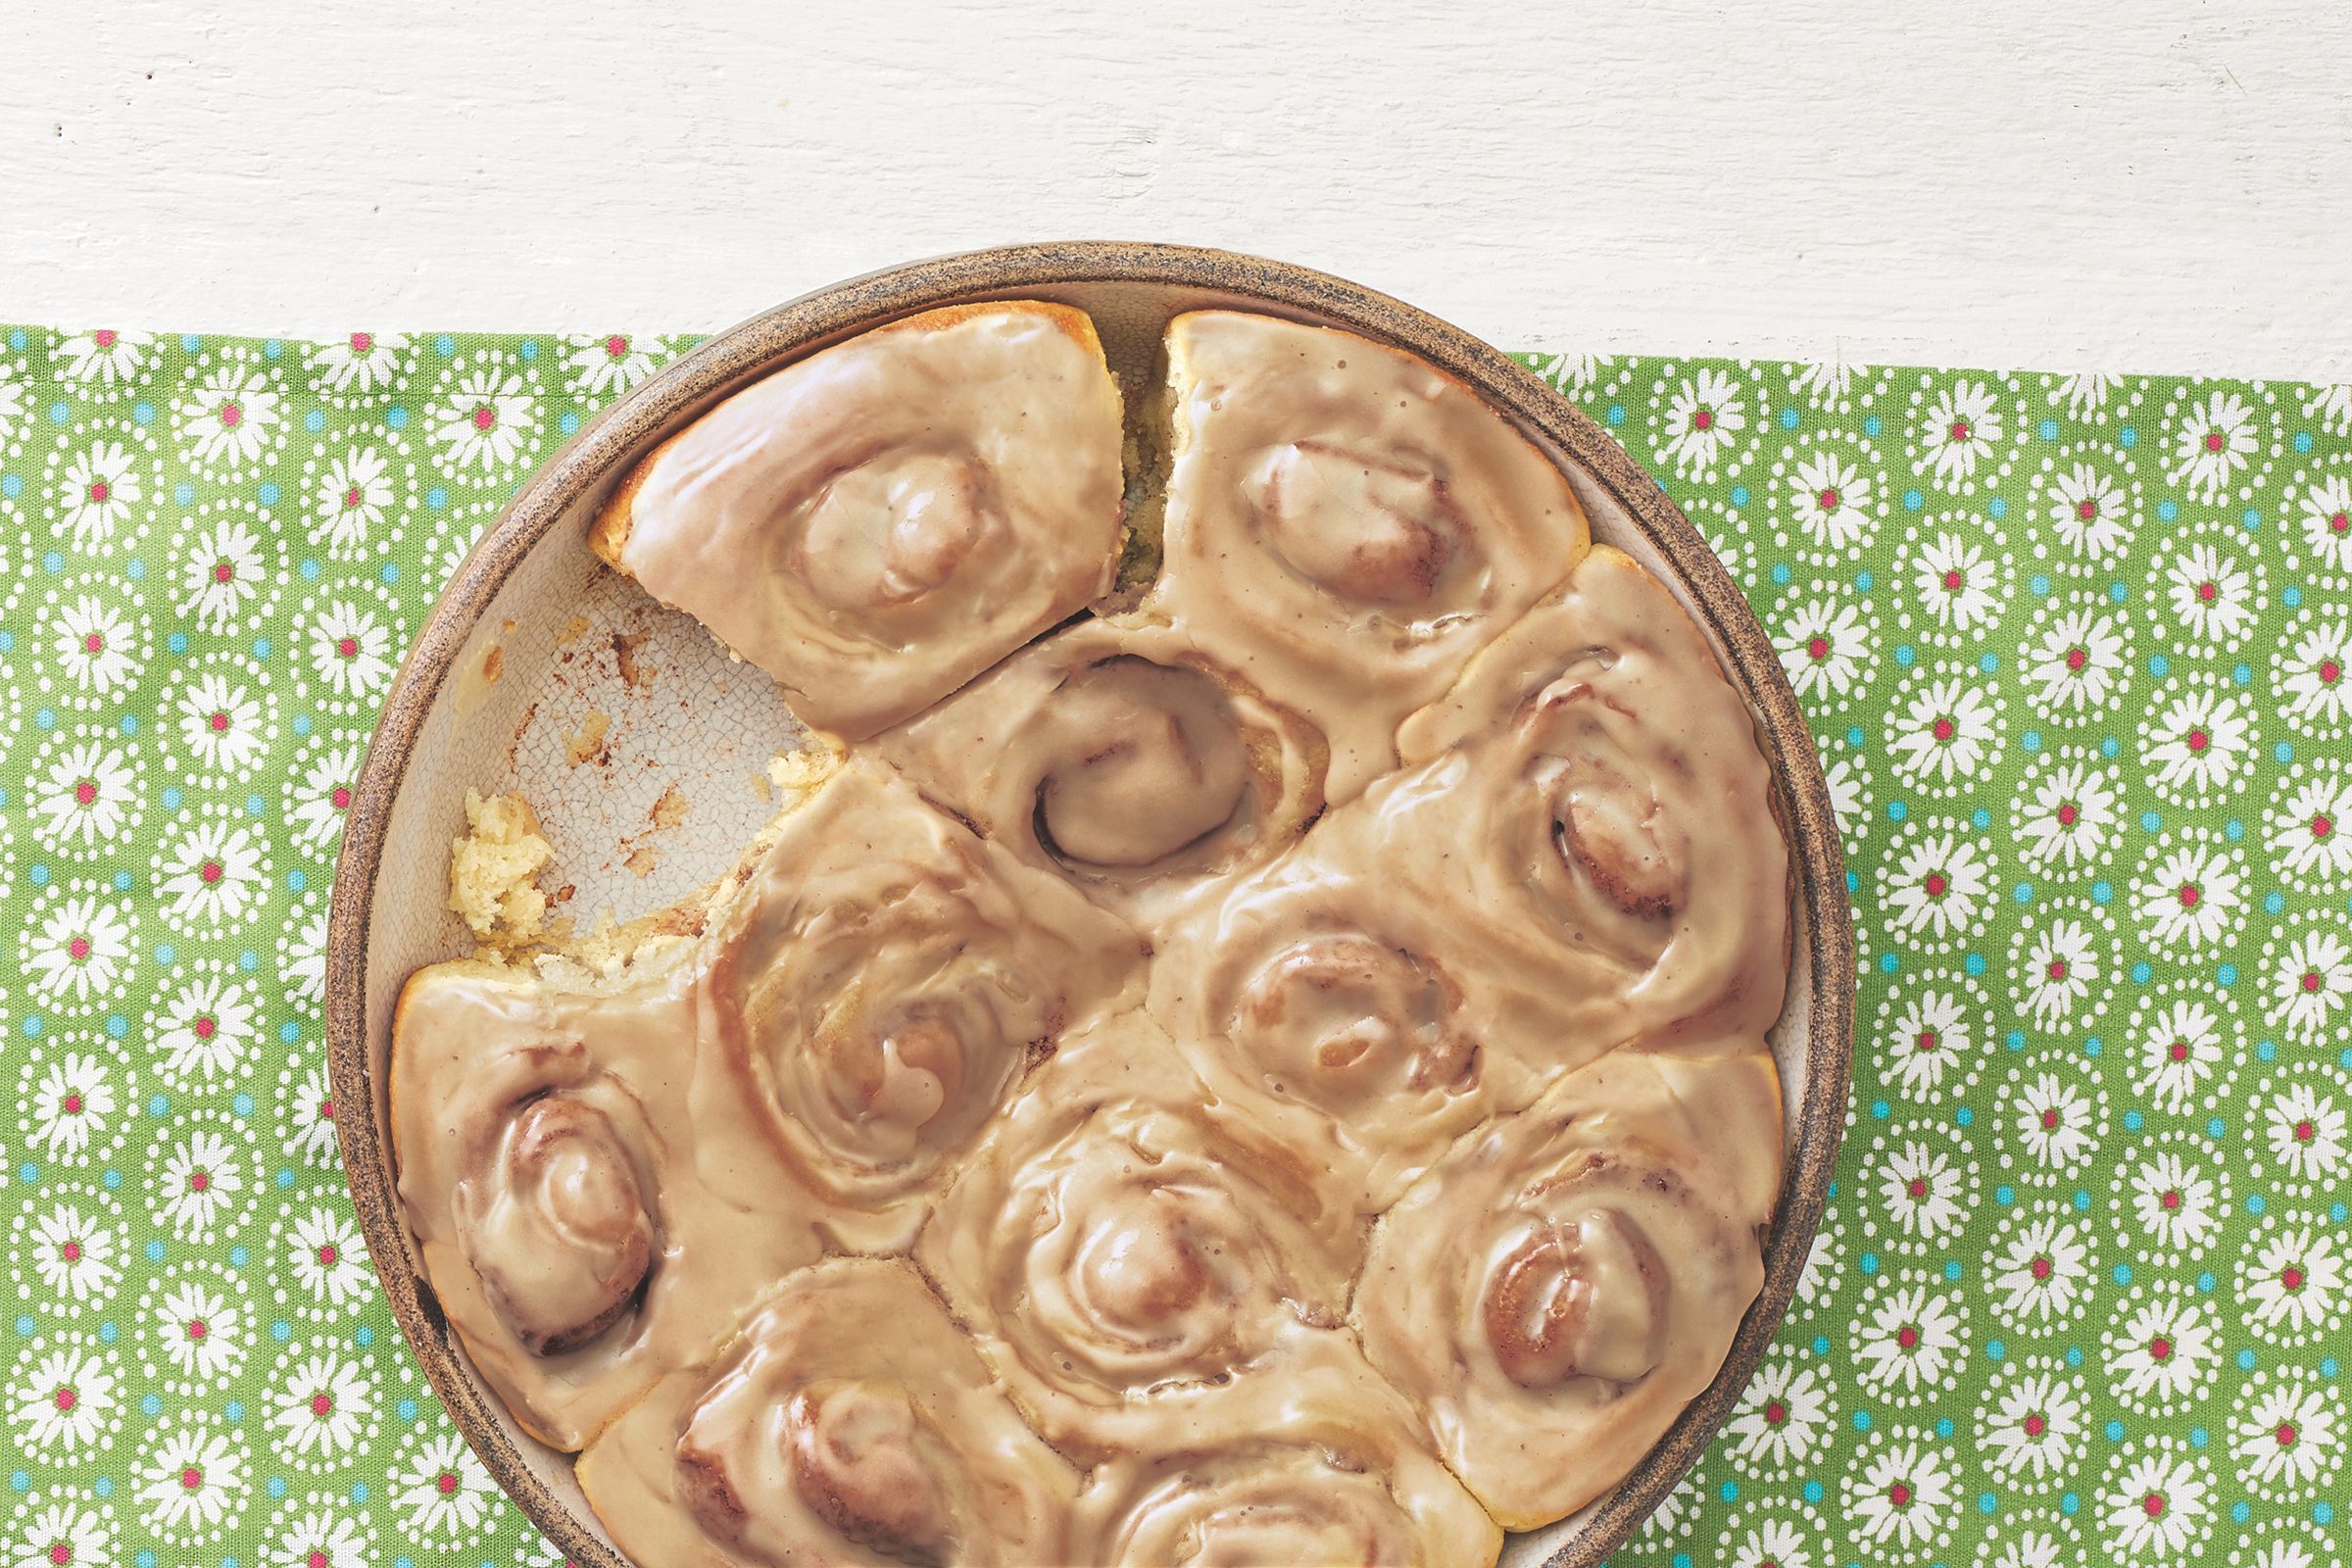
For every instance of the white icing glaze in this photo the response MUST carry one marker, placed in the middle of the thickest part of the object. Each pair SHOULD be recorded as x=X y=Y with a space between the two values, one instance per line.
x=1346 y=523
x=877 y=524
x=1118 y=754
x=848 y=1423
x=1554 y=1292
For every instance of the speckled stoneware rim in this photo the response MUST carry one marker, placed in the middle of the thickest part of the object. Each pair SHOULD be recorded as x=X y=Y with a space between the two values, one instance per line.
x=616 y=437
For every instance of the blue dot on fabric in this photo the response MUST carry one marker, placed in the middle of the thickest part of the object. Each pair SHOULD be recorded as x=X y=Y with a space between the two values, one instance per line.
x=238 y=1256
x=281 y=1331
x=1861 y=1420
x=2206 y=1282
x=2302 y=440
x=2117 y=592
x=1952 y=1270
x=157 y=1106
x=128 y=723
x=296 y=881
x=32 y=1027
x=436 y=498
x=151 y=1404
x=2141 y=974
x=2048 y=429
x=60 y=413
x=1989 y=1503
x=1889 y=964
x=2121 y=1274
x=2126 y=437
x=445 y=345
x=2149 y=821
x=1943 y=1428
x=2167 y=511
x=568 y=422
x=1964 y=1117
x=397 y=417
x=2226 y=974
x=2233 y=830
x=178 y=642
x=283 y=1179
x=1873 y=426
x=289 y=1032
x=1896 y=811
x=2198 y=1437
x=2240 y=1511
x=144 y=1559
x=2291 y=596
x=190 y=342
x=1728 y=1492
x=2158 y=665
x=1821 y=1345
x=2101 y=891
x=142 y=412
x=255 y=806
x=1739 y=495
x=1881 y=1109
x=2243 y=674
x=2074 y=1356
x=2114 y=1431
x=266 y=495
x=249 y=960
x=309 y=571
x=2322 y=1512
x=1996 y=509
x=314 y=420
x=1913 y=500
x=2024 y=893
x=185 y=493
x=1979 y=819
x=1854 y=881
x=1788 y=418
x=45 y=719
x=1779 y=573
x=1615 y=414
x=1904 y=654
x=359 y=1492
x=1864 y=582
x=1812 y=1492
x=1974 y=963
x=2132 y=1121
x=388 y=574
x=17 y=339
x=1854 y=735
x=155 y=1251
x=2082 y=1202
x=2274 y=902
x=1995 y=1350
x=2283 y=752
x=260 y=648
x=2004 y=1194
x=242 y=1106
x=53 y=561
x=165 y=953
x=173 y=796
x=2249 y=519
x=2255 y=1202
x=2329 y=1366
x=11 y=486
x=405 y=1410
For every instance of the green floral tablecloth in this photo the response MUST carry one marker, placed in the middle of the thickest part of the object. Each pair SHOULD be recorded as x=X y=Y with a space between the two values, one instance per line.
x=2075 y=649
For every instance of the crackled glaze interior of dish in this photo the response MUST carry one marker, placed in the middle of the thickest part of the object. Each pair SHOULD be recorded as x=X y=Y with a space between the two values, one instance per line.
x=1603 y=1206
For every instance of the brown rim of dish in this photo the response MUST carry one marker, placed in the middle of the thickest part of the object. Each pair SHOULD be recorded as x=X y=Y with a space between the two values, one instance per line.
x=611 y=440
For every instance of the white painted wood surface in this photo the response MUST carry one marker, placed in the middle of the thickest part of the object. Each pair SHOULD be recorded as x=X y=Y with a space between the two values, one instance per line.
x=2133 y=184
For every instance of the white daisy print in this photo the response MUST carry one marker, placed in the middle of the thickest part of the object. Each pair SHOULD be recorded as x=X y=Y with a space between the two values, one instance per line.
x=2087 y=392
x=611 y=364
x=323 y=1405
x=1960 y=429
x=2037 y=1548
x=2192 y=896
x=2332 y=406
x=2069 y=814
x=308 y=1118
x=2306 y=828
x=350 y=650
x=329 y=1257
x=220 y=572
x=2327 y=523
x=1908 y=1341
x=67 y=1534
x=442 y=1489
x=64 y=1400
x=2076 y=664
x=97 y=494
x=2090 y=511
x=1955 y=578
x=1825 y=647
x=1847 y=801
x=77 y=1251
x=360 y=361
x=2304 y=1128
x=71 y=1103
x=2311 y=982
x=482 y=419
x=2212 y=444
x=2197 y=738
x=202 y=1184
x=1928 y=1039
x=1940 y=885
x=2055 y=1122
x=2294 y=1278
x=2157 y=1504
x=11 y=403
x=2289 y=1438
x=2212 y=595
x=2060 y=970
x=85 y=795
x=1782 y=1419
x=2179 y=1051
x=321 y=1538
x=319 y=799
x=2035 y=1425
x=106 y=357
x=1924 y=1189
x=1824 y=379
x=1772 y=1544
x=194 y=1482
x=2161 y=1351
x=353 y=498
x=1902 y=1493
x=81 y=947
x=2175 y=1203
x=1949 y=731
x=229 y=417
x=305 y=966
x=212 y=872
x=95 y=643
x=2040 y=1273
x=222 y=723
x=1834 y=501
x=207 y=1030
x=1702 y=417
x=2312 y=678
x=1572 y=371
x=201 y=1330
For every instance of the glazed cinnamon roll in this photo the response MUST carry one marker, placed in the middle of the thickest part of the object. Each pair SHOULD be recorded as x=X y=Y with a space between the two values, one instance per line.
x=1590 y=797
x=1318 y=1466
x=591 y=1207
x=875 y=524
x=1124 y=1248
x=884 y=978
x=1346 y=523
x=1117 y=754
x=1554 y=1292
x=848 y=1423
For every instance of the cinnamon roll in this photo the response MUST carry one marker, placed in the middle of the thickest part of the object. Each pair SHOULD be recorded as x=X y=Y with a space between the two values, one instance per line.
x=1591 y=798
x=884 y=978
x=1117 y=754
x=877 y=524
x=1346 y=523
x=1317 y=1466
x=848 y=1423
x=1554 y=1292
x=1124 y=1248
x=590 y=1206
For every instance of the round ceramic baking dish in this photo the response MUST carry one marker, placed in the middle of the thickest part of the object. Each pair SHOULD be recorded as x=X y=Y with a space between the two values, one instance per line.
x=533 y=647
